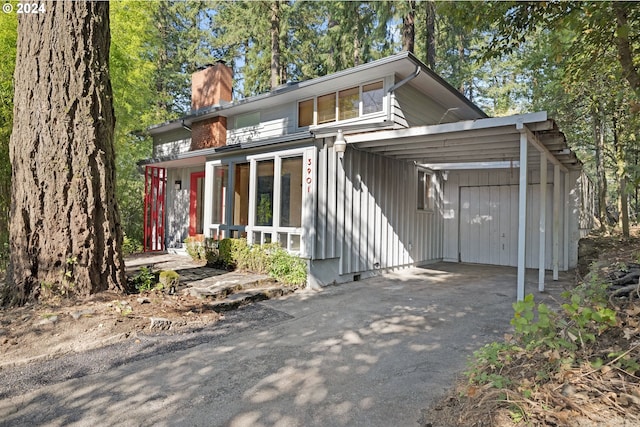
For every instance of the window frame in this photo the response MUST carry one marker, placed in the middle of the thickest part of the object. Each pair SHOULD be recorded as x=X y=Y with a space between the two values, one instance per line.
x=425 y=189
x=336 y=95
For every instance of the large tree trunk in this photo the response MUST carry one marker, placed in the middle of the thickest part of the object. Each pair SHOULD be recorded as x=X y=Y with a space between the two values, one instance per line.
x=430 y=40
x=409 y=28
x=275 y=44
x=623 y=44
x=65 y=234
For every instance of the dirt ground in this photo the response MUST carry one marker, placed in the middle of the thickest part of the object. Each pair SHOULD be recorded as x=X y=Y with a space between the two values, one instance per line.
x=42 y=331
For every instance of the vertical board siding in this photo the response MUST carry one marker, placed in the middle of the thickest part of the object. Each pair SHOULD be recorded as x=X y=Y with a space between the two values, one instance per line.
x=488 y=223
x=374 y=222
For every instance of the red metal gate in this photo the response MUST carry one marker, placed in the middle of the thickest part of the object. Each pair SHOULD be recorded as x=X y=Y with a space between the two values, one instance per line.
x=155 y=183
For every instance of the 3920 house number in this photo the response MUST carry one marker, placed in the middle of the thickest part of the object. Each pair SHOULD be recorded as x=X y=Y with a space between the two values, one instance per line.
x=30 y=8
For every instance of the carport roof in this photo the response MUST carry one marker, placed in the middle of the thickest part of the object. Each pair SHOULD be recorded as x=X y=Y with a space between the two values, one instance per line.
x=471 y=141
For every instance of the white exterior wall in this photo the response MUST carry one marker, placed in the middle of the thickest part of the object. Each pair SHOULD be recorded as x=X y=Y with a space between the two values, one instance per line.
x=502 y=185
x=413 y=108
x=367 y=216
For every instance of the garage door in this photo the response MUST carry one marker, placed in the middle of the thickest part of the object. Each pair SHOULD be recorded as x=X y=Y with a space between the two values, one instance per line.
x=489 y=225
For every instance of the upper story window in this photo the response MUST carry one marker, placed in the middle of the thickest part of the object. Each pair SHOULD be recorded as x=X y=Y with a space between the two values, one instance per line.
x=345 y=104
x=248 y=120
x=372 y=95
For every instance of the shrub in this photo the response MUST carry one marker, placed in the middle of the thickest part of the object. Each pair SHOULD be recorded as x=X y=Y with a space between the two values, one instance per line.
x=195 y=246
x=268 y=259
x=130 y=246
x=167 y=279
x=145 y=280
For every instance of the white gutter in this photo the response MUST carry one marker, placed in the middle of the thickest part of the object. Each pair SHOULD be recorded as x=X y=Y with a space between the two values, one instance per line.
x=405 y=80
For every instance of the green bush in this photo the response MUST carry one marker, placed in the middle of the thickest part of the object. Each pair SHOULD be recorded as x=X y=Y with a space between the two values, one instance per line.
x=268 y=259
x=130 y=246
x=167 y=279
x=145 y=280
x=196 y=248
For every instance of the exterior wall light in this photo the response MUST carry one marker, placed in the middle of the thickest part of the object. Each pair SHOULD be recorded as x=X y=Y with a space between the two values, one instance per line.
x=340 y=145
x=178 y=185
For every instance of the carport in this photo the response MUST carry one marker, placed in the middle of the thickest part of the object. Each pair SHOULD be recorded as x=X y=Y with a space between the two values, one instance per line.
x=532 y=140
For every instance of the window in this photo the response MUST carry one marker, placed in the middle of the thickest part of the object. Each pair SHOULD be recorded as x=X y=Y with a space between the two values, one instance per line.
x=264 y=193
x=372 y=96
x=424 y=190
x=220 y=181
x=305 y=113
x=241 y=194
x=348 y=103
x=248 y=120
x=291 y=192
x=327 y=108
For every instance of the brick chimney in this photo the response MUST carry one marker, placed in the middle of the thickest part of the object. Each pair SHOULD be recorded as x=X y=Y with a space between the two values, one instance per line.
x=209 y=87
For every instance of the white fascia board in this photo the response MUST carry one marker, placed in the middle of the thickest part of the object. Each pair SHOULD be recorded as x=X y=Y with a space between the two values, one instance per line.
x=518 y=121
x=471 y=165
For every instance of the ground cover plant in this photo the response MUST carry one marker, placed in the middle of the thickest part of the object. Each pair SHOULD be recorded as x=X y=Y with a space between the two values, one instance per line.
x=575 y=365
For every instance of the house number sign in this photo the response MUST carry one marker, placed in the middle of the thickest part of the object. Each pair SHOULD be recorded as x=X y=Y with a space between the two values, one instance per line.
x=309 y=173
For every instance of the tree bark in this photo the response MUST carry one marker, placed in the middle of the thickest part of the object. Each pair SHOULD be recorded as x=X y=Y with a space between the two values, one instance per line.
x=598 y=136
x=65 y=234
x=431 y=34
x=409 y=28
x=625 y=51
x=275 y=44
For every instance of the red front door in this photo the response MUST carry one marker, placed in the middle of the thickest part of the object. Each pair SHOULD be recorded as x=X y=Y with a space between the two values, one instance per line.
x=155 y=182
x=196 y=204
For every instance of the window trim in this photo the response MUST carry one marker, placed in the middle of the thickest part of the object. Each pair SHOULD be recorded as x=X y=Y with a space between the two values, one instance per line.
x=427 y=190
x=336 y=120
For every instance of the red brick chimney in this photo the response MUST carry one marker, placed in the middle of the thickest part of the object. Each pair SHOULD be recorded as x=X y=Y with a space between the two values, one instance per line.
x=209 y=87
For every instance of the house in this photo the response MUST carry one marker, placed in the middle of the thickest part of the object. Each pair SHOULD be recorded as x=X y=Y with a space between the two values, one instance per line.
x=376 y=167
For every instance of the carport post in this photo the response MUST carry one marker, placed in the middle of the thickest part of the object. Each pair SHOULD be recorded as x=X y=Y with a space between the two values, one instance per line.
x=556 y=219
x=543 y=220
x=522 y=211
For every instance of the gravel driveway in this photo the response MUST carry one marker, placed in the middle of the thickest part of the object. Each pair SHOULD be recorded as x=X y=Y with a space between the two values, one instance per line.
x=368 y=353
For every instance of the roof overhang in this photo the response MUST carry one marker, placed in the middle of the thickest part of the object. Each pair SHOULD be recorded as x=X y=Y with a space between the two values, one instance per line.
x=473 y=141
x=402 y=65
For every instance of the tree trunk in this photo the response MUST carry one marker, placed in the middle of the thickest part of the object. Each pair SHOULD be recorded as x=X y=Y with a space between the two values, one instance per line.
x=625 y=51
x=623 y=205
x=598 y=136
x=409 y=28
x=431 y=34
x=65 y=234
x=275 y=44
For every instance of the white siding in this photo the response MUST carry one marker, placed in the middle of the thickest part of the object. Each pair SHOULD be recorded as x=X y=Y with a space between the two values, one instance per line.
x=489 y=224
x=575 y=198
x=367 y=213
x=413 y=108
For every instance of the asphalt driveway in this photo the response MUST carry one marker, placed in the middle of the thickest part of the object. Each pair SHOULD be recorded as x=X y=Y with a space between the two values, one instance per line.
x=369 y=353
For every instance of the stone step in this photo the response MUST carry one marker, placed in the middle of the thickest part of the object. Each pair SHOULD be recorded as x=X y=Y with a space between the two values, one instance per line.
x=237 y=300
x=221 y=289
